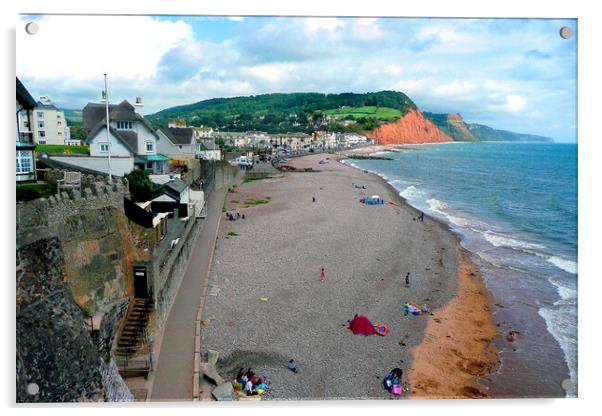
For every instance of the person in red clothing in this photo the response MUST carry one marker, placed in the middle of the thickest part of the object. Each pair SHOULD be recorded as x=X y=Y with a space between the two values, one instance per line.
x=322 y=274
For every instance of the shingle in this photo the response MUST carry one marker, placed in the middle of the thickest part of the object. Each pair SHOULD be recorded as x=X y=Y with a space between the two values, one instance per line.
x=179 y=135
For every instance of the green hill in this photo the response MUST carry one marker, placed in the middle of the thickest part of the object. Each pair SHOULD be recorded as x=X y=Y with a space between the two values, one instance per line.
x=73 y=117
x=294 y=112
x=454 y=126
x=489 y=134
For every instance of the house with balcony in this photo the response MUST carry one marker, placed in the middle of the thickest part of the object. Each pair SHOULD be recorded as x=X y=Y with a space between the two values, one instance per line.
x=130 y=136
x=25 y=144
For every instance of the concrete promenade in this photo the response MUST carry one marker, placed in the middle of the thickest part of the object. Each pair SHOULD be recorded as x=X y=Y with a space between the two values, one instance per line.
x=173 y=376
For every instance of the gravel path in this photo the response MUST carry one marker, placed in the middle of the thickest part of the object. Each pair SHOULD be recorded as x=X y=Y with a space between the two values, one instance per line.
x=366 y=252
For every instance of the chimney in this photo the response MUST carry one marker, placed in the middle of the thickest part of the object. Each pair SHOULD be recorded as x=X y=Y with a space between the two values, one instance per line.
x=138 y=105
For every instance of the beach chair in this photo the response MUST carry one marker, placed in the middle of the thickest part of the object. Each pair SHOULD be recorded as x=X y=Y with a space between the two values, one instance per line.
x=71 y=180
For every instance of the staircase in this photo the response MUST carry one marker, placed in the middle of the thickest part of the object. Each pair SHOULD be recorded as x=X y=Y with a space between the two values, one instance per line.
x=133 y=354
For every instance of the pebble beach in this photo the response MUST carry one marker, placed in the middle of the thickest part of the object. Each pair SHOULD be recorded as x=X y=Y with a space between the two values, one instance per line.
x=266 y=304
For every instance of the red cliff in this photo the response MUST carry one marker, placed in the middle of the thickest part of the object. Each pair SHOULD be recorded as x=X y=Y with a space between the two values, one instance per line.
x=412 y=128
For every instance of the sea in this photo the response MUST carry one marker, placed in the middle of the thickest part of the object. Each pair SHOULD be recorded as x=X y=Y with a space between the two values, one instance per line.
x=514 y=207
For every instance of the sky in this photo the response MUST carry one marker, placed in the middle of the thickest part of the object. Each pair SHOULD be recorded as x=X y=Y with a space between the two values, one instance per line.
x=512 y=74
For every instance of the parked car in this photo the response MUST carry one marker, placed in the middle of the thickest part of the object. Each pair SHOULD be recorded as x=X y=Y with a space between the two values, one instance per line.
x=244 y=161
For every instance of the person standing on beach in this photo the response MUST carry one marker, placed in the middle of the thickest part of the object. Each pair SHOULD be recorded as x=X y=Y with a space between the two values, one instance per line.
x=408 y=279
x=421 y=217
x=322 y=274
x=313 y=199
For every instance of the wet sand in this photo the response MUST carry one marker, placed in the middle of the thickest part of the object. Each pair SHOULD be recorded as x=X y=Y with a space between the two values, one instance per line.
x=276 y=253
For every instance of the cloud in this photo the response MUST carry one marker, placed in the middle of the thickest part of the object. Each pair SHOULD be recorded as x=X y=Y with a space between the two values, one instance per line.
x=367 y=29
x=537 y=54
x=455 y=88
x=492 y=71
x=322 y=25
x=514 y=103
x=85 y=47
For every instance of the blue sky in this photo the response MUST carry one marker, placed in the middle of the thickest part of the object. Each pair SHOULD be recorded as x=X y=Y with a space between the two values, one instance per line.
x=512 y=74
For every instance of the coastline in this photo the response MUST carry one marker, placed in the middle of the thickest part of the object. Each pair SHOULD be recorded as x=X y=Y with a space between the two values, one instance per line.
x=464 y=326
x=305 y=319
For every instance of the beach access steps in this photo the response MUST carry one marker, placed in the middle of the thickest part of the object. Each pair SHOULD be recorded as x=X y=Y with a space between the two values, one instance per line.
x=133 y=353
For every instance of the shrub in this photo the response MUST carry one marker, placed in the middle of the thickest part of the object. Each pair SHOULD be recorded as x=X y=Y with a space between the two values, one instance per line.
x=141 y=187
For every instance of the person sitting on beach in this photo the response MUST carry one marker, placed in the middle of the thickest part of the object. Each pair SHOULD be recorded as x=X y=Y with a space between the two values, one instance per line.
x=251 y=376
x=292 y=366
x=249 y=388
x=240 y=375
x=261 y=386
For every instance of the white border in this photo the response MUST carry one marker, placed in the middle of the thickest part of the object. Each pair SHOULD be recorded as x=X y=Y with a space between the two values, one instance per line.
x=589 y=140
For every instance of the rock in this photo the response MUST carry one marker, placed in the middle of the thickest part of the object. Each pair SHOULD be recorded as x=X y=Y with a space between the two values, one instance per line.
x=223 y=392
x=412 y=128
x=209 y=371
x=212 y=356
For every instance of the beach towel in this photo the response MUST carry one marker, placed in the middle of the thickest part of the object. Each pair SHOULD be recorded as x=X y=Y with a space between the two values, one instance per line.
x=409 y=309
x=361 y=325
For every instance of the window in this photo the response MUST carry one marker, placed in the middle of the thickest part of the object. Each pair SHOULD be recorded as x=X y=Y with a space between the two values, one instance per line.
x=179 y=146
x=149 y=146
x=23 y=161
x=124 y=125
x=41 y=141
x=60 y=133
x=40 y=114
x=58 y=116
x=26 y=124
x=40 y=124
x=104 y=147
x=42 y=133
x=58 y=123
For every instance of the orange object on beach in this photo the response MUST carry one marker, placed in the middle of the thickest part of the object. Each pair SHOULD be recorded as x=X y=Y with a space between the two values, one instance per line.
x=394 y=203
x=382 y=329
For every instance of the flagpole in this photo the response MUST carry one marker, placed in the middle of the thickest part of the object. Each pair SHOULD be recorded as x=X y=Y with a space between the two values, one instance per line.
x=108 y=137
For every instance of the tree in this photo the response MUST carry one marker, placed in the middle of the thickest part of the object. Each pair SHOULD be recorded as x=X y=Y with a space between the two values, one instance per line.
x=78 y=133
x=141 y=187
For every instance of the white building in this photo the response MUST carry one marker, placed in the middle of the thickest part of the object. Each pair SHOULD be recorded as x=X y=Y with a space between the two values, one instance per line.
x=49 y=125
x=177 y=142
x=203 y=132
x=208 y=150
x=326 y=140
x=131 y=136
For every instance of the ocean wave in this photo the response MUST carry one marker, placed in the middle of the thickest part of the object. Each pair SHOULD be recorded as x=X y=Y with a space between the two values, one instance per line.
x=568 y=266
x=499 y=240
x=437 y=206
x=412 y=193
x=560 y=322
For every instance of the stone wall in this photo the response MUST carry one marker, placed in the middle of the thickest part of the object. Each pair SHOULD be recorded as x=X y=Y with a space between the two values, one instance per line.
x=55 y=352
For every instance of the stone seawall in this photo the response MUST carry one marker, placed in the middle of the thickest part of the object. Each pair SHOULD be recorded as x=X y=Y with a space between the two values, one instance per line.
x=55 y=353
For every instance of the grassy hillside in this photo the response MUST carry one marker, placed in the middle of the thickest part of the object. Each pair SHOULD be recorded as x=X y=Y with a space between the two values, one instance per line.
x=73 y=117
x=488 y=134
x=462 y=131
x=301 y=112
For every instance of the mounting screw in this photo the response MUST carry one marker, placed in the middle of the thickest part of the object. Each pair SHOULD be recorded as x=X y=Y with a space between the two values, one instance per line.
x=32 y=28
x=566 y=32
